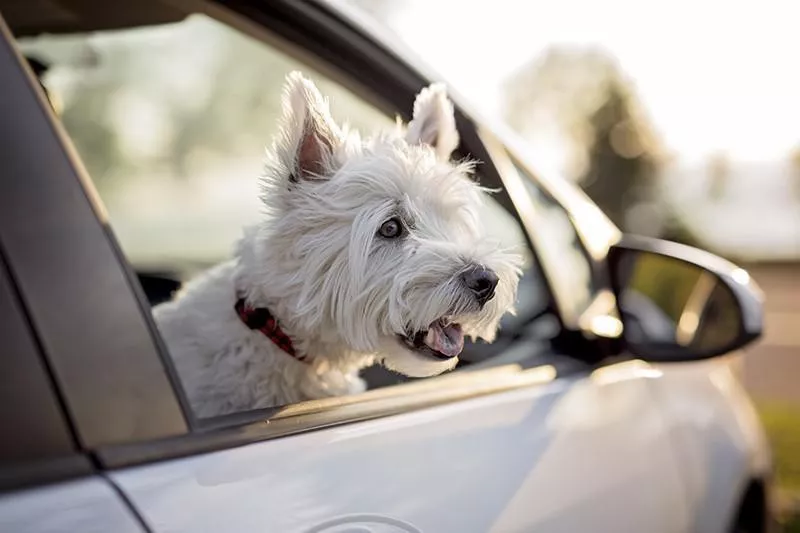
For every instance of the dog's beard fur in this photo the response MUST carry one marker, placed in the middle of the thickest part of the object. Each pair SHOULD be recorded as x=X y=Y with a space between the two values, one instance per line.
x=318 y=260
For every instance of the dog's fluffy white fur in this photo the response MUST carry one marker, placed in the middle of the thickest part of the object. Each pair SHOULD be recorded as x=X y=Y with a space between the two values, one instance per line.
x=342 y=291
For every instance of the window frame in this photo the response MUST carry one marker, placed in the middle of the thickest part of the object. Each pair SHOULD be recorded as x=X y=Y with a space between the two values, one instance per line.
x=319 y=37
x=101 y=350
x=39 y=445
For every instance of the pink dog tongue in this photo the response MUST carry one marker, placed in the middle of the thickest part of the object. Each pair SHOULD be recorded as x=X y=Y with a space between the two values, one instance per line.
x=447 y=340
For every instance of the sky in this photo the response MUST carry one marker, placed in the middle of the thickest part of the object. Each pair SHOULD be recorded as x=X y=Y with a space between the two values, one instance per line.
x=702 y=69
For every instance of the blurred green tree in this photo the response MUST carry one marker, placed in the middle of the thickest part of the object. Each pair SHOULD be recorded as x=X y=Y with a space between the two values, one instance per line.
x=622 y=166
x=582 y=97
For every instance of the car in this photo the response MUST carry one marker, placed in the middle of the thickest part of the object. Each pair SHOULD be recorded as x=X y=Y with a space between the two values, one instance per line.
x=611 y=402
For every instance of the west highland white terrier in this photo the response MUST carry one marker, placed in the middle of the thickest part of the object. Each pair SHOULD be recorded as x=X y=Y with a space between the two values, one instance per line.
x=371 y=250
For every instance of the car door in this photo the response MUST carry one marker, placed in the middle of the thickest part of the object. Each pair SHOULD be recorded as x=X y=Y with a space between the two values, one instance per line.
x=542 y=444
x=529 y=436
x=572 y=454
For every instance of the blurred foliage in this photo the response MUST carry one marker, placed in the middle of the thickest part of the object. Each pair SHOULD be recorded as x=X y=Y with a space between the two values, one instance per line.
x=622 y=168
x=88 y=112
x=782 y=423
x=676 y=230
x=205 y=91
x=582 y=97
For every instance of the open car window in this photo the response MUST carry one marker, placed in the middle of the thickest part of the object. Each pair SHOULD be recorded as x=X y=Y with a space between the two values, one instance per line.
x=171 y=122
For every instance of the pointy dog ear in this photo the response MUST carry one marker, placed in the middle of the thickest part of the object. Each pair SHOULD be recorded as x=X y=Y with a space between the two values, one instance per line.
x=309 y=136
x=434 y=121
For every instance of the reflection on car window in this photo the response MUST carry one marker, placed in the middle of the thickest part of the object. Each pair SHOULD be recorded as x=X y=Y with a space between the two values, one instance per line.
x=561 y=250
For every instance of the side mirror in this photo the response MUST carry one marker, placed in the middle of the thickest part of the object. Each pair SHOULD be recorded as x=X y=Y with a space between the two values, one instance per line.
x=679 y=303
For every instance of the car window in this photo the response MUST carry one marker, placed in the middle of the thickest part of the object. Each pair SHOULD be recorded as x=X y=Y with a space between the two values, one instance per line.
x=171 y=123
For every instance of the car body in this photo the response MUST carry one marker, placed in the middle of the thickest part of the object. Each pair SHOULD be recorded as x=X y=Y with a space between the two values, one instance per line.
x=560 y=427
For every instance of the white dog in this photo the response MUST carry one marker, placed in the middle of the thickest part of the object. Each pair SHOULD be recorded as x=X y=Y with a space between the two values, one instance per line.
x=371 y=250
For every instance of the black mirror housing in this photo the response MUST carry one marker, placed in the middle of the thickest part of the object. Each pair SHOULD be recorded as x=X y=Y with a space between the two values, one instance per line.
x=679 y=303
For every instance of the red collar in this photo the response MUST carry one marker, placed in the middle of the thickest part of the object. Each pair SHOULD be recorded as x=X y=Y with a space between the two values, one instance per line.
x=259 y=318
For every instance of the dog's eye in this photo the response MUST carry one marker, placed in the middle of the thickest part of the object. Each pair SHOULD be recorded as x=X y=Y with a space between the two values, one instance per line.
x=391 y=229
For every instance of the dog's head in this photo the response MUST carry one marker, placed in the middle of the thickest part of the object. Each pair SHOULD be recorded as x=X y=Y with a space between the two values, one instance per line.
x=377 y=243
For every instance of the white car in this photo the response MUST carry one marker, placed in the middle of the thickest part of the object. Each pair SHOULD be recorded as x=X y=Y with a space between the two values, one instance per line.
x=610 y=403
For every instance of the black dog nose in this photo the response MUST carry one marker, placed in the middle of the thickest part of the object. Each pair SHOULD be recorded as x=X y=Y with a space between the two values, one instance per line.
x=482 y=282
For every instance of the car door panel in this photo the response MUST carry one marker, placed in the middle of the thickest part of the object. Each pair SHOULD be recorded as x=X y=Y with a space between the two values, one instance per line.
x=584 y=453
x=87 y=505
x=721 y=444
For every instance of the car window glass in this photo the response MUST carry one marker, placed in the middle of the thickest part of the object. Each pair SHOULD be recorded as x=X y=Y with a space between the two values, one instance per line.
x=171 y=123
x=560 y=248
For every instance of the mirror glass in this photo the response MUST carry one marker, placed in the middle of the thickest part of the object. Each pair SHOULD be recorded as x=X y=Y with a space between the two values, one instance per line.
x=671 y=308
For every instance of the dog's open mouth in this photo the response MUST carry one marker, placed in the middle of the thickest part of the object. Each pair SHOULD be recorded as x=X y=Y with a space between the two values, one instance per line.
x=443 y=340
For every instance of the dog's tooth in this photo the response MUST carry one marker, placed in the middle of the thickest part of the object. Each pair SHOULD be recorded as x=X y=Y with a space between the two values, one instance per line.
x=430 y=338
